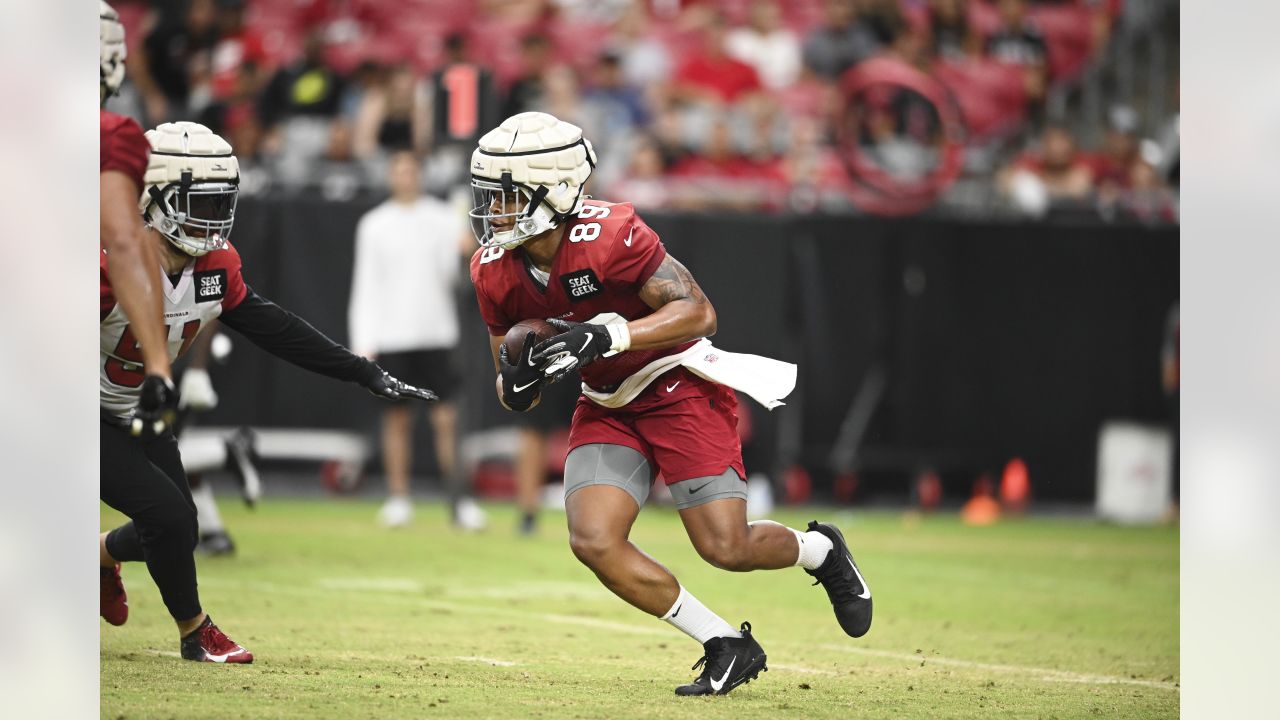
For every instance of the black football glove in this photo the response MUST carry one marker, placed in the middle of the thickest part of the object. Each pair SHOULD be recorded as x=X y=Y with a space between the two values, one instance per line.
x=382 y=384
x=522 y=381
x=577 y=345
x=157 y=408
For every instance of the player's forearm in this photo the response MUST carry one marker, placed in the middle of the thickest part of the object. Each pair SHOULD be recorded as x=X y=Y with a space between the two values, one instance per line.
x=202 y=348
x=134 y=268
x=294 y=340
x=136 y=291
x=676 y=322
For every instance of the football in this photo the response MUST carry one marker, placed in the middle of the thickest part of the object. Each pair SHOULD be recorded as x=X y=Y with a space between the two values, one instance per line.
x=514 y=339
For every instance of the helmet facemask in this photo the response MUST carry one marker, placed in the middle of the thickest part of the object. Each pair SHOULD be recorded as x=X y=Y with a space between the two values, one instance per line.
x=195 y=216
x=505 y=214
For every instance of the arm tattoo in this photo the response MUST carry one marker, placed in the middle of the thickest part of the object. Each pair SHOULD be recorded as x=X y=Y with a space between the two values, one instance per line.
x=673 y=281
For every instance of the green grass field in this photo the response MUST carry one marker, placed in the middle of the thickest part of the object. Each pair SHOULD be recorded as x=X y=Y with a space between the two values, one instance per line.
x=1037 y=618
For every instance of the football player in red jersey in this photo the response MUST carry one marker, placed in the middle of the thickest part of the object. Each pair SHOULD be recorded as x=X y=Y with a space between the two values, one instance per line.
x=634 y=323
x=123 y=156
x=189 y=201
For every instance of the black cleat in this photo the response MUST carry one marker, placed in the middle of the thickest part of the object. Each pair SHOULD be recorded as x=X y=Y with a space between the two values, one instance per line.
x=215 y=543
x=726 y=663
x=849 y=593
x=528 y=524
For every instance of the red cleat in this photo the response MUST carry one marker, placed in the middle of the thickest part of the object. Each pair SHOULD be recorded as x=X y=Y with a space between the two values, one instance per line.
x=209 y=644
x=113 y=603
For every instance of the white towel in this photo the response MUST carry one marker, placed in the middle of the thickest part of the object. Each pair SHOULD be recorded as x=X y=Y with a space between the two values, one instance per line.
x=766 y=380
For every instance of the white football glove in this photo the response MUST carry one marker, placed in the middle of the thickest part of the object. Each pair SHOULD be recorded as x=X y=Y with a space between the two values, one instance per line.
x=195 y=391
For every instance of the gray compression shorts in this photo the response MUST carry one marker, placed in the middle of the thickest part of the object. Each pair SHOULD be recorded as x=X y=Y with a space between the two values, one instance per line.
x=622 y=467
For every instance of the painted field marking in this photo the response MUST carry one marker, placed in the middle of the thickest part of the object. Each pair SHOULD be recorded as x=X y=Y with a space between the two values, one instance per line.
x=1046 y=674
x=487 y=660
x=396 y=593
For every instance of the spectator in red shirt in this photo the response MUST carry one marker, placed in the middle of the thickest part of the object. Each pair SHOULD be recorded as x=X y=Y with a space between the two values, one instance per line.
x=1111 y=167
x=711 y=75
x=720 y=177
x=1057 y=174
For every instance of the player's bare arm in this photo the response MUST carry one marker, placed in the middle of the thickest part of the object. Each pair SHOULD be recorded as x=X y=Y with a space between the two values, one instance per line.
x=133 y=266
x=682 y=310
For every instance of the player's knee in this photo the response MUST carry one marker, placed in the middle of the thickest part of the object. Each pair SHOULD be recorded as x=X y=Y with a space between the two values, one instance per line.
x=177 y=527
x=727 y=554
x=591 y=548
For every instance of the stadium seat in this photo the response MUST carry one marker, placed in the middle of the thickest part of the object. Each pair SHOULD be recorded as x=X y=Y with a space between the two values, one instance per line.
x=1069 y=36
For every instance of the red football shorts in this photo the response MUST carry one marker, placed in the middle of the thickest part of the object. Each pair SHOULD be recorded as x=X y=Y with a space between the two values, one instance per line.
x=686 y=427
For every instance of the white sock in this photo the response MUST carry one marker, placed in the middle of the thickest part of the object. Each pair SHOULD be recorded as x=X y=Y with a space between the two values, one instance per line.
x=206 y=509
x=695 y=620
x=814 y=547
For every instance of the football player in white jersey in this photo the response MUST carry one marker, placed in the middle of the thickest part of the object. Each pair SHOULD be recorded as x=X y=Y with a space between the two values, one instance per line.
x=188 y=205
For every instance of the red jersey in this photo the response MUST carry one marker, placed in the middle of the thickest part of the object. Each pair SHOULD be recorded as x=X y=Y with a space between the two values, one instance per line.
x=606 y=255
x=207 y=286
x=122 y=147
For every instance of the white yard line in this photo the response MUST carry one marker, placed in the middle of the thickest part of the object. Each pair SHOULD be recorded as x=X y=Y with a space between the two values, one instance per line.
x=486 y=660
x=1046 y=674
x=800 y=669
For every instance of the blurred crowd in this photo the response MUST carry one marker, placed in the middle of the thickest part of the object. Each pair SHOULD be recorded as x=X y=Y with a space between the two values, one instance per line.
x=801 y=105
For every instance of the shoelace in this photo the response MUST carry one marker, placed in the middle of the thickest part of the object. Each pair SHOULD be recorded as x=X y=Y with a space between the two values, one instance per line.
x=215 y=641
x=704 y=661
x=836 y=583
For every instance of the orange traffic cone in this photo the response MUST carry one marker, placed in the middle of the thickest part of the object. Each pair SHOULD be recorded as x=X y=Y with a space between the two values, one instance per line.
x=981 y=509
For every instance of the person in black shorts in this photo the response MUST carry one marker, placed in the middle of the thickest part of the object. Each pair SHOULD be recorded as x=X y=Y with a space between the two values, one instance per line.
x=403 y=313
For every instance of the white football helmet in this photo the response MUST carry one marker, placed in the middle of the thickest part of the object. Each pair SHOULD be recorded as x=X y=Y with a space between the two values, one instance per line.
x=527 y=176
x=191 y=186
x=111 y=52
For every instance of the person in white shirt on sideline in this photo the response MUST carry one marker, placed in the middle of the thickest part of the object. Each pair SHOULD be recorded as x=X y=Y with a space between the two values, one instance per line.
x=403 y=312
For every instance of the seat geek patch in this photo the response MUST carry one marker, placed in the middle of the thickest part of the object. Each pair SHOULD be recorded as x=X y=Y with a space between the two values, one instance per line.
x=581 y=284
x=211 y=285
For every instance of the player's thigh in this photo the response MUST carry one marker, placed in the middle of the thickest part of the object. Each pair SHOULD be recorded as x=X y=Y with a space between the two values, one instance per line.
x=163 y=453
x=622 y=469
x=130 y=482
x=717 y=524
x=695 y=438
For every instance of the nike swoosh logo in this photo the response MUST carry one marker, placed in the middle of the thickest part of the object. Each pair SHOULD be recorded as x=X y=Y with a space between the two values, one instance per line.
x=627 y=242
x=673 y=387
x=521 y=388
x=584 y=345
x=717 y=684
x=695 y=490
x=233 y=653
x=677 y=612
x=866 y=589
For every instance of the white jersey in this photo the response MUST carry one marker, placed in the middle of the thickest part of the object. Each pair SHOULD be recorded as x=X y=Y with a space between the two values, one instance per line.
x=208 y=285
